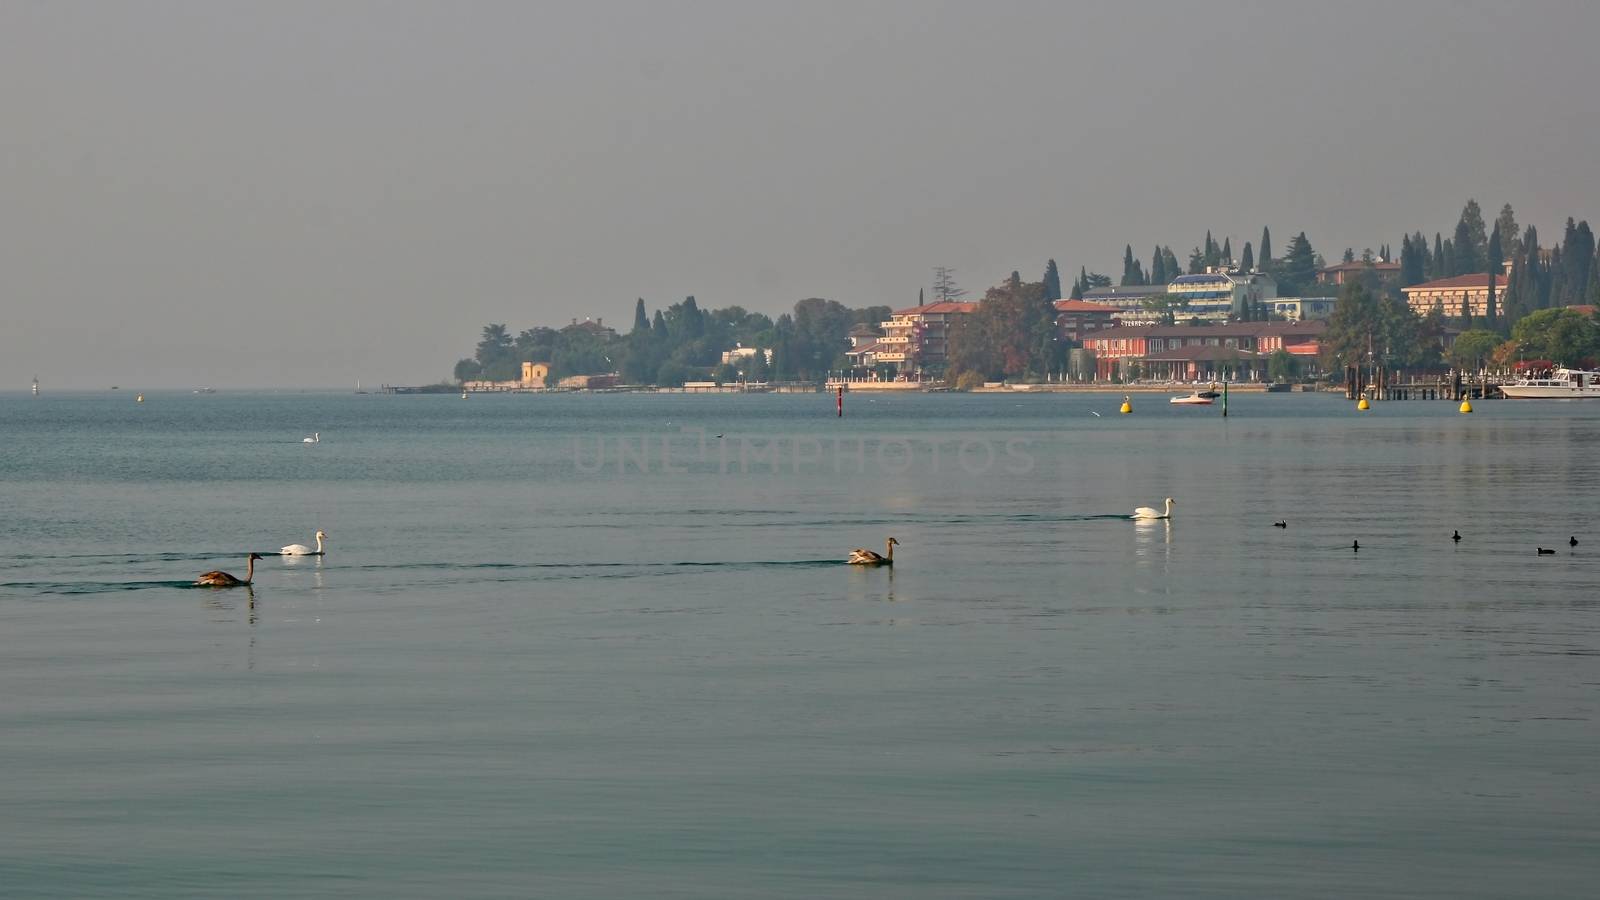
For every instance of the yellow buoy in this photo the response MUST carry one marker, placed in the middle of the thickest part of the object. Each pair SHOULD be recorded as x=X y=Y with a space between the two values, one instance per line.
x=1127 y=405
x=1466 y=406
x=1363 y=405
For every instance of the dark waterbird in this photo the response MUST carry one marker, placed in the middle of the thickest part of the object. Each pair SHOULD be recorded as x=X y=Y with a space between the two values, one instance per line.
x=1572 y=541
x=219 y=578
x=1544 y=552
x=1355 y=546
x=1456 y=537
x=1280 y=524
x=861 y=557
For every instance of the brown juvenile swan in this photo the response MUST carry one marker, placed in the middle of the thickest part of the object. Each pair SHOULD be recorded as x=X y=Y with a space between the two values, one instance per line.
x=219 y=578
x=860 y=557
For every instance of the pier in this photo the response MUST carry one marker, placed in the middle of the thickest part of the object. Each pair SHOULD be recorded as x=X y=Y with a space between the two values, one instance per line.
x=1382 y=384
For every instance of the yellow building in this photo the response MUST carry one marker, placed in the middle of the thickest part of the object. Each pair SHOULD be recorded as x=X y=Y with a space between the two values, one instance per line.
x=1451 y=295
x=534 y=375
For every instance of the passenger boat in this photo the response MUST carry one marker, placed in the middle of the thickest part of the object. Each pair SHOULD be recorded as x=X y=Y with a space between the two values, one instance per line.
x=1198 y=398
x=1560 y=384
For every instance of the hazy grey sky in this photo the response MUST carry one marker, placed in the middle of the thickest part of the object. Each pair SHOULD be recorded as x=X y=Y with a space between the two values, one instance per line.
x=307 y=193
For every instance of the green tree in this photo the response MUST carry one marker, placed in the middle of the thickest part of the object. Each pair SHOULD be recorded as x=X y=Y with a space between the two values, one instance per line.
x=1132 y=272
x=1472 y=348
x=1247 y=260
x=1052 y=281
x=1266 y=249
x=1282 y=366
x=1365 y=327
x=756 y=369
x=641 y=320
x=1010 y=334
x=1465 y=258
x=1491 y=318
x=468 y=370
x=1298 y=269
x=1165 y=305
x=1471 y=253
x=1506 y=226
x=1562 y=335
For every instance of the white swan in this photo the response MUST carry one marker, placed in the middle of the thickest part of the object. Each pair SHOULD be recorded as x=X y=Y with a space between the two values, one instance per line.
x=316 y=438
x=1145 y=512
x=302 y=549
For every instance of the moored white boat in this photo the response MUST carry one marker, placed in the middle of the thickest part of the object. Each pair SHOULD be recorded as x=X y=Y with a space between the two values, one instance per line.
x=1561 y=384
x=1198 y=398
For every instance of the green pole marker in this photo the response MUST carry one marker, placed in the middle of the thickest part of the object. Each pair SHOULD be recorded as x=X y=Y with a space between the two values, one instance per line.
x=1224 y=398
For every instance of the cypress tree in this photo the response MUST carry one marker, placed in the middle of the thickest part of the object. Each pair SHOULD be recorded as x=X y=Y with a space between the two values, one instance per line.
x=1477 y=234
x=1490 y=317
x=1158 y=267
x=1441 y=266
x=1299 y=267
x=1227 y=251
x=1266 y=248
x=1349 y=254
x=1465 y=260
x=1171 y=264
x=1213 y=253
x=641 y=321
x=1532 y=276
x=1247 y=260
x=659 y=325
x=1130 y=268
x=1447 y=257
x=1052 y=281
x=1507 y=226
x=1419 y=246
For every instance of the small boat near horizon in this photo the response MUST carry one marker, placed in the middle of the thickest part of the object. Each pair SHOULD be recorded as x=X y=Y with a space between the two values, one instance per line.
x=1198 y=398
x=1556 y=384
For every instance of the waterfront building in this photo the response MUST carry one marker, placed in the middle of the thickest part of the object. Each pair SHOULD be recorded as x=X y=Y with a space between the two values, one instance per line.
x=740 y=353
x=916 y=339
x=535 y=374
x=1296 y=309
x=1076 y=319
x=1387 y=272
x=1129 y=297
x=1220 y=293
x=595 y=328
x=1196 y=351
x=1451 y=295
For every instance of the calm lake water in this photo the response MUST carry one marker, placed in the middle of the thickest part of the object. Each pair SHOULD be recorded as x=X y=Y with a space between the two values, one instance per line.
x=521 y=672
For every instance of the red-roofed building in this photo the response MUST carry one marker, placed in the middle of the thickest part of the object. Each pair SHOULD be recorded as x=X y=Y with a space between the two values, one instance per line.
x=1387 y=272
x=916 y=339
x=1077 y=318
x=1232 y=345
x=1451 y=295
